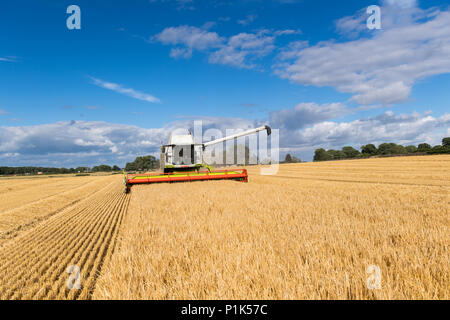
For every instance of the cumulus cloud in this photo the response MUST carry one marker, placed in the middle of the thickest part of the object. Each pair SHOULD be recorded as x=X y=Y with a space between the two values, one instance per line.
x=77 y=142
x=352 y=26
x=381 y=67
x=309 y=126
x=240 y=50
x=126 y=91
x=404 y=4
x=184 y=53
x=305 y=114
x=191 y=37
x=303 y=128
x=387 y=127
x=74 y=143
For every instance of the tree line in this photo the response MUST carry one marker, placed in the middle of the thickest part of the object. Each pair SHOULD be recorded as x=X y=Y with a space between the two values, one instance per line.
x=383 y=149
x=140 y=163
x=49 y=170
x=143 y=163
x=291 y=159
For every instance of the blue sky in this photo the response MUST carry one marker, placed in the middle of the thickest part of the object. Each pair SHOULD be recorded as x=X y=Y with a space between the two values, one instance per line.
x=138 y=69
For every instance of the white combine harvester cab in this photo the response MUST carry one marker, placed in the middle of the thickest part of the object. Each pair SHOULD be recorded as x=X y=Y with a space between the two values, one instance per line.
x=182 y=153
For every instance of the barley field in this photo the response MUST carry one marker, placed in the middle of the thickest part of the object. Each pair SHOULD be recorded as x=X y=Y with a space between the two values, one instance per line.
x=313 y=231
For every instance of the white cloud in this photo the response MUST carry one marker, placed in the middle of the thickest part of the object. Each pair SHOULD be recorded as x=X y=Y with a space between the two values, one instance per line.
x=249 y=19
x=185 y=53
x=3 y=112
x=381 y=68
x=8 y=59
x=78 y=142
x=305 y=114
x=404 y=4
x=388 y=127
x=209 y=24
x=126 y=91
x=230 y=56
x=239 y=50
x=191 y=37
x=287 y=32
x=352 y=26
x=75 y=143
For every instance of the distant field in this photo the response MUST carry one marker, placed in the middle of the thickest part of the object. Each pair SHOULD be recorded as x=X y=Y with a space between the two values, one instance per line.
x=309 y=232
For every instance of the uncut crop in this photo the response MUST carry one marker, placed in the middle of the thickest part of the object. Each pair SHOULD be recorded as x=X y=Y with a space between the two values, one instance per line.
x=310 y=232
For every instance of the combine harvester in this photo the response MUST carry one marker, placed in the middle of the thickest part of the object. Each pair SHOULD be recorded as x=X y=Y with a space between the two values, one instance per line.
x=182 y=160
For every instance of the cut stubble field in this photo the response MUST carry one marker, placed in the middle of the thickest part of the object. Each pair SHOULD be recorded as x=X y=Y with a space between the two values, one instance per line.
x=309 y=232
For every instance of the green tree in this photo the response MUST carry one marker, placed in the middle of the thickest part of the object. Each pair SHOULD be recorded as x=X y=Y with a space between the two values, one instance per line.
x=399 y=149
x=423 y=147
x=446 y=142
x=391 y=148
x=336 y=154
x=350 y=152
x=142 y=163
x=321 y=155
x=439 y=150
x=101 y=168
x=115 y=168
x=296 y=160
x=64 y=170
x=369 y=149
x=288 y=158
x=385 y=148
x=411 y=149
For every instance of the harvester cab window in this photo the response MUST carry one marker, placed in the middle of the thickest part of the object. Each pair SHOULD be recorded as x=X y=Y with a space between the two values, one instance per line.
x=184 y=155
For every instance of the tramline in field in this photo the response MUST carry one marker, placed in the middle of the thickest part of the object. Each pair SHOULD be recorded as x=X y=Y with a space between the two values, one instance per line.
x=182 y=160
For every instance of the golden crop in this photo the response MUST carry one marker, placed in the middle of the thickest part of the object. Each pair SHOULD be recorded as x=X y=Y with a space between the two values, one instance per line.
x=34 y=264
x=24 y=203
x=310 y=232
